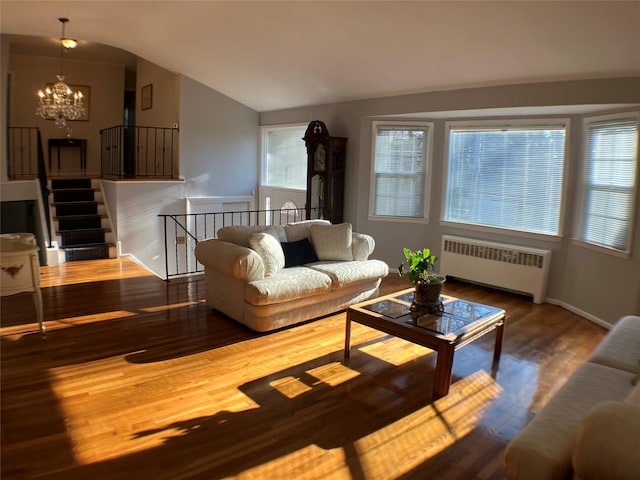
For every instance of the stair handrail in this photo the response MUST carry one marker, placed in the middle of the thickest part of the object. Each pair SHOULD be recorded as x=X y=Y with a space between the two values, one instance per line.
x=44 y=189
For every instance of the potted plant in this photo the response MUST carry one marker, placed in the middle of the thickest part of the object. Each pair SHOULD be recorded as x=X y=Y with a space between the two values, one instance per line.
x=419 y=269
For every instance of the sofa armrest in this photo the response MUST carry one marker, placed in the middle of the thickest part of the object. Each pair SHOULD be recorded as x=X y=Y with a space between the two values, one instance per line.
x=362 y=246
x=607 y=443
x=230 y=259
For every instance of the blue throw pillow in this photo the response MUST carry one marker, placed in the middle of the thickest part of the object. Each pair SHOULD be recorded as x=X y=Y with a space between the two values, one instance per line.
x=298 y=253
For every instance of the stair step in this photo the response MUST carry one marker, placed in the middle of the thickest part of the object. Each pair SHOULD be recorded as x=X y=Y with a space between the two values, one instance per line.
x=79 y=222
x=73 y=195
x=91 y=251
x=64 y=209
x=64 y=183
x=82 y=236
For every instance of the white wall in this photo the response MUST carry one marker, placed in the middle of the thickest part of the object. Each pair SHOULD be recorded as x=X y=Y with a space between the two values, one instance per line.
x=218 y=143
x=134 y=209
x=165 y=105
x=573 y=269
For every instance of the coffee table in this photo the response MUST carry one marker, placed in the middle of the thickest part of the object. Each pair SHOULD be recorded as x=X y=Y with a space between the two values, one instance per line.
x=460 y=323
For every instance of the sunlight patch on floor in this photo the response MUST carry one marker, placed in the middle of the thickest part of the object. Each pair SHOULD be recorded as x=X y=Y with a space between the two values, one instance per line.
x=398 y=448
x=312 y=462
x=86 y=319
x=88 y=271
x=395 y=351
x=290 y=387
x=415 y=438
x=111 y=435
x=16 y=332
x=162 y=308
x=333 y=373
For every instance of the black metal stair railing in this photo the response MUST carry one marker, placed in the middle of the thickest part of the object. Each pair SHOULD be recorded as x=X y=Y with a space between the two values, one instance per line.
x=25 y=160
x=128 y=151
x=182 y=232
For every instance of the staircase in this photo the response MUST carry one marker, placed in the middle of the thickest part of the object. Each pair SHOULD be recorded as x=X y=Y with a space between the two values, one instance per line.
x=80 y=223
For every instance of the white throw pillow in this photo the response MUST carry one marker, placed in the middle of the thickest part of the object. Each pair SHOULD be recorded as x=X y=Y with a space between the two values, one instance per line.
x=332 y=242
x=239 y=234
x=270 y=250
x=299 y=230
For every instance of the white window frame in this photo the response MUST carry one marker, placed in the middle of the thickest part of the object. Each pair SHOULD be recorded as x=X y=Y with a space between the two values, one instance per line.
x=429 y=127
x=263 y=147
x=271 y=197
x=580 y=221
x=563 y=122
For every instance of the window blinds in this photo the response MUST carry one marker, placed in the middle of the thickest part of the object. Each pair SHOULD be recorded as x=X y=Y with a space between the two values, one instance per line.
x=400 y=168
x=506 y=177
x=610 y=183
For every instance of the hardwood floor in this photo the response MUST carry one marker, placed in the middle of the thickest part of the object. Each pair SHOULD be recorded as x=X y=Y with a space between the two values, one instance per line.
x=139 y=379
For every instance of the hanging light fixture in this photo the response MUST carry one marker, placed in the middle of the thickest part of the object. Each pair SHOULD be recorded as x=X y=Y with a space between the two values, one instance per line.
x=59 y=102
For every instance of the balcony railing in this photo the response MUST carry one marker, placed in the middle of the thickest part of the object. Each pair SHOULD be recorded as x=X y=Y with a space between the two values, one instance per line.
x=139 y=152
x=182 y=232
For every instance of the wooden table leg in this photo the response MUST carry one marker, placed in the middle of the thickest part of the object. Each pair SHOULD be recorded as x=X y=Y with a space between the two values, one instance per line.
x=347 y=337
x=444 y=366
x=497 y=350
x=37 y=295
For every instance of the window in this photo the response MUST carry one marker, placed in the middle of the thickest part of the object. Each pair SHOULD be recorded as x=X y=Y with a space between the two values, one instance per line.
x=400 y=170
x=506 y=177
x=284 y=157
x=611 y=158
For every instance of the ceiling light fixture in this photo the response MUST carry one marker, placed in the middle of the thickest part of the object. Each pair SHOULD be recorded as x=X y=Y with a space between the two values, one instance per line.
x=58 y=102
x=66 y=42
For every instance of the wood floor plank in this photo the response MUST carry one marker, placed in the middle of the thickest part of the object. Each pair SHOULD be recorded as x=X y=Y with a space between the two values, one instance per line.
x=138 y=378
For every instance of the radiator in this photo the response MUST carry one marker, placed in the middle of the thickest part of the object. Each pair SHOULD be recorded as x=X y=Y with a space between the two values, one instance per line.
x=511 y=267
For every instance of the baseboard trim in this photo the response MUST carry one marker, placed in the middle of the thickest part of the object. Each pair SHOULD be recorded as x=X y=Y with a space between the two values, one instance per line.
x=136 y=260
x=577 y=311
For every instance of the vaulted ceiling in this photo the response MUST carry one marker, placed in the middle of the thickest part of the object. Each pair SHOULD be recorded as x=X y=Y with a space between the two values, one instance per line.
x=272 y=55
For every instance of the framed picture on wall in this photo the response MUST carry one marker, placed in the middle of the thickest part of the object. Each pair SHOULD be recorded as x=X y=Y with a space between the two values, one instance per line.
x=146 y=97
x=86 y=99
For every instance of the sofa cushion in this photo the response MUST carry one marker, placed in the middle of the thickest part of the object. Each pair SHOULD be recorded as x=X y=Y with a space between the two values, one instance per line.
x=298 y=230
x=351 y=273
x=332 y=242
x=239 y=234
x=269 y=249
x=289 y=284
x=634 y=396
x=298 y=253
x=230 y=259
x=607 y=443
x=620 y=348
x=543 y=449
x=362 y=246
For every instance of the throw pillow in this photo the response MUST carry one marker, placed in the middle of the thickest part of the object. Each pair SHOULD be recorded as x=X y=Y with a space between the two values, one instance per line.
x=239 y=234
x=299 y=230
x=269 y=249
x=298 y=253
x=332 y=242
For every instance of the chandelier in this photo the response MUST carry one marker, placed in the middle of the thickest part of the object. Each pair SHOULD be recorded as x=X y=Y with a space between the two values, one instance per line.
x=58 y=102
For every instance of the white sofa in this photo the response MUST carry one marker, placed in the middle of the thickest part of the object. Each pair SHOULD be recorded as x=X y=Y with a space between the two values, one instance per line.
x=269 y=277
x=590 y=429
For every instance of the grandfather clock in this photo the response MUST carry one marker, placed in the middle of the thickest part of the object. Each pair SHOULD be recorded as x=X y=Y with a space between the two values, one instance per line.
x=325 y=173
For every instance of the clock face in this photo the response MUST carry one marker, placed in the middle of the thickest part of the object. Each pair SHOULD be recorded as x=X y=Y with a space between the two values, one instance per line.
x=319 y=158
